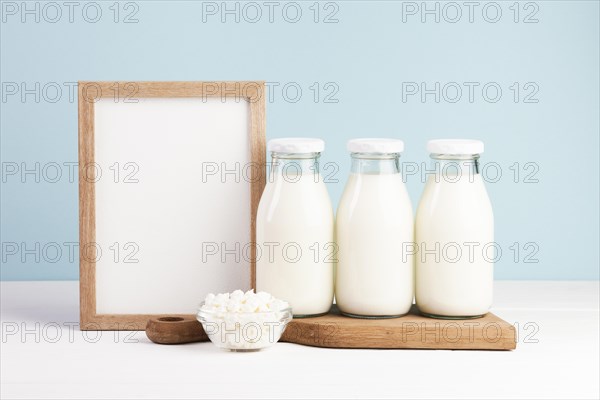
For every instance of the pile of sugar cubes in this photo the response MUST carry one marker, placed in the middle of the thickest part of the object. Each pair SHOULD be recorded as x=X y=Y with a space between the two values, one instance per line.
x=244 y=321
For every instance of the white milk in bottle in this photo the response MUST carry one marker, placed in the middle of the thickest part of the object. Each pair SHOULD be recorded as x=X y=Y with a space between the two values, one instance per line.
x=374 y=277
x=454 y=232
x=294 y=229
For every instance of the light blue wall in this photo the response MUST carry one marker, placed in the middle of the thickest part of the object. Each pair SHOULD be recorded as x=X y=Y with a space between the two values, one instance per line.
x=367 y=54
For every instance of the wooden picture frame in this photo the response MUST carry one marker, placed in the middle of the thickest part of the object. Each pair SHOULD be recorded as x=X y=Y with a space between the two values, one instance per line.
x=103 y=94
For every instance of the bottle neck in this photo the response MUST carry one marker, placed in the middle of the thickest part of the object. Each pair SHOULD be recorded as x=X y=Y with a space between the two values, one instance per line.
x=293 y=164
x=449 y=165
x=375 y=164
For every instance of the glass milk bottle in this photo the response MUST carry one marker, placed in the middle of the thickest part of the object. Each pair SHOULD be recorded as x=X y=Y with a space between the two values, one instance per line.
x=294 y=229
x=454 y=231
x=374 y=228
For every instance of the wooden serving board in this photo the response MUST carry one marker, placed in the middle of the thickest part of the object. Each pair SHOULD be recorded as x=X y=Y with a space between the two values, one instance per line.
x=412 y=331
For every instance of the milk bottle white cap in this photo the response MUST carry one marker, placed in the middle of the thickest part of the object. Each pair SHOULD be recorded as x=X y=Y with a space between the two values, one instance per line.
x=455 y=146
x=296 y=145
x=375 y=145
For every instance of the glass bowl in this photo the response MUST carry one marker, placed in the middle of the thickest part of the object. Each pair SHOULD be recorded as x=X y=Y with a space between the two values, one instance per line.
x=244 y=331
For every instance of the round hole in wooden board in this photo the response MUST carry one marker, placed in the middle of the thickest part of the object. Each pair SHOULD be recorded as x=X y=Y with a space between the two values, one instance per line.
x=170 y=319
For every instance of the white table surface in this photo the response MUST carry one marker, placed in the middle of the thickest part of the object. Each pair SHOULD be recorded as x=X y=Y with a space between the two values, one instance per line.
x=559 y=359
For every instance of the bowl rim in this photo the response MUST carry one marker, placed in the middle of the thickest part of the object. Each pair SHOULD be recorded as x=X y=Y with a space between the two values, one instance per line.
x=213 y=312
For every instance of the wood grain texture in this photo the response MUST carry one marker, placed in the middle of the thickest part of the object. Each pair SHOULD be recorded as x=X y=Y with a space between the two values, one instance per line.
x=258 y=173
x=175 y=330
x=412 y=331
x=88 y=93
x=87 y=216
